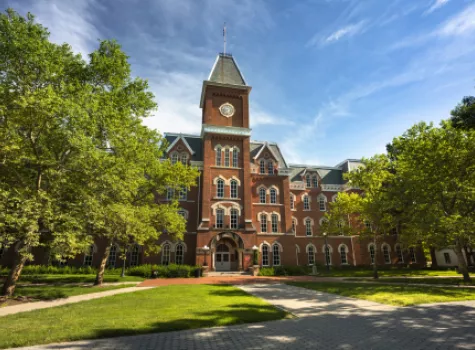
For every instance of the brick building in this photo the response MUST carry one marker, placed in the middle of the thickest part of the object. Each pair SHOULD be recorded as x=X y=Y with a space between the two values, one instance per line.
x=248 y=197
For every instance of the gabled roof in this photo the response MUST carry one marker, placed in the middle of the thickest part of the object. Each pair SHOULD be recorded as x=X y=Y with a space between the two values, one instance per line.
x=328 y=175
x=180 y=137
x=192 y=142
x=258 y=146
x=226 y=71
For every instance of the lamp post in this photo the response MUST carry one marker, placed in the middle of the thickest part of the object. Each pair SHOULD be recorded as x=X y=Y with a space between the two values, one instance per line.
x=254 y=256
x=326 y=250
x=205 y=249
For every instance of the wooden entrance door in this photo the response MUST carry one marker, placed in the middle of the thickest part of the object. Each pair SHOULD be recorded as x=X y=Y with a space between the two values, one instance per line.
x=223 y=258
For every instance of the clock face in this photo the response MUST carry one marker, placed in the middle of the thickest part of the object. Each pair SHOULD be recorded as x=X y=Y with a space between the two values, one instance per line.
x=227 y=109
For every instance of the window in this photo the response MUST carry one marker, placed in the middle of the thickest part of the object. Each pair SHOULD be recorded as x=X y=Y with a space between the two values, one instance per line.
x=183 y=193
x=308 y=227
x=328 y=258
x=262 y=166
x=218 y=156
x=234 y=189
x=170 y=194
x=263 y=223
x=89 y=255
x=322 y=204
x=306 y=203
x=270 y=167
x=265 y=255
x=400 y=258
x=275 y=223
x=220 y=188
x=262 y=195
x=311 y=255
x=386 y=254
x=174 y=158
x=292 y=202
x=413 y=255
x=294 y=225
x=275 y=255
x=2 y=250
x=166 y=254
x=184 y=158
x=343 y=257
x=235 y=157
x=447 y=258
x=315 y=181
x=309 y=181
x=111 y=260
x=134 y=256
x=234 y=218
x=367 y=224
x=179 y=254
x=226 y=157
x=372 y=253
x=219 y=218
x=183 y=214
x=273 y=195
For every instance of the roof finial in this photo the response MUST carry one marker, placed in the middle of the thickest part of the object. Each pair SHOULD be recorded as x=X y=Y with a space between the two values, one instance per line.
x=224 y=38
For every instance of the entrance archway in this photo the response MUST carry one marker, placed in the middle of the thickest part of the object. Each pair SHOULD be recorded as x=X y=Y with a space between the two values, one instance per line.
x=222 y=258
x=226 y=252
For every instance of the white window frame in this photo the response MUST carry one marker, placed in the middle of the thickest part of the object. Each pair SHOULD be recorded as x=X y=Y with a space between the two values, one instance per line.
x=308 y=227
x=219 y=155
x=386 y=253
x=170 y=193
x=412 y=253
x=447 y=258
x=265 y=255
x=184 y=158
x=292 y=201
x=306 y=202
x=219 y=218
x=262 y=167
x=226 y=157
x=399 y=254
x=311 y=255
x=183 y=194
x=174 y=157
x=294 y=225
x=235 y=157
x=276 y=255
x=262 y=195
x=322 y=204
x=273 y=196
x=134 y=255
x=263 y=218
x=270 y=167
x=179 y=254
x=328 y=254
x=89 y=256
x=372 y=253
x=275 y=223
x=308 y=181
x=315 y=181
x=112 y=258
x=234 y=219
x=220 y=188
x=166 y=248
x=343 y=255
x=234 y=189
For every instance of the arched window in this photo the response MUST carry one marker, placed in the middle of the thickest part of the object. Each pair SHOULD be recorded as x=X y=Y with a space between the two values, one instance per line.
x=234 y=189
x=183 y=214
x=134 y=256
x=219 y=218
x=111 y=260
x=292 y=201
x=166 y=254
x=265 y=255
x=322 y=203
x=235 y=157
x=412 y=252
x=315 y=181
x=275 y=255
x=273 y=195
x=218 y=156
x=306 y=203
x=372 y=253
x=262 y=166
x=309 y=181
x=184 y=158
x=308 y=227
x=174 y=157
x=386 y=254
x=263 y=223
x=270 y=167
x=311 y=255
x=220 y=188
x=400 y=257
x=294 y=225
x=179 y=254
x=262 y=195
x=183 y=193
x=89 y=255
x=226 y=157
x=234 y=218
x=170 y=194
x=343 y=254
x=328 y=257
x=275 y=223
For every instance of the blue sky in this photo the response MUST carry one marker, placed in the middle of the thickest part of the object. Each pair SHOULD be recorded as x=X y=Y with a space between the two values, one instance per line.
x=332 y=79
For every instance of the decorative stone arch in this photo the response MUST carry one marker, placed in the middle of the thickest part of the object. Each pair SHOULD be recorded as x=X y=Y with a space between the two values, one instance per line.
x=215 y=180
x=330 y=248
x=297 y=248
x=228 y=182
x=398 y=245
x=262 y=212
x=258 y=188
x=218 y=146
x=281 y=249
x=276 y=213
x=171 y=244
x=186 y=212
x=322 y=220
x=334 y=197
x=347 y=250
x=305 y=194
x=264 y=243
x=312 y=222
x=275 y=188
x=322 y=196
x=294 y=219
x=227 y=208
x=231 y=236
x=235 y=147
x=310 y=245
x=369 y=246
x=384 y=244
x=185 y=247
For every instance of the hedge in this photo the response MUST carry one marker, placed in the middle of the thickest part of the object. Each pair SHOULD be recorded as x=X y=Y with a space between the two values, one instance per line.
x=285 y=271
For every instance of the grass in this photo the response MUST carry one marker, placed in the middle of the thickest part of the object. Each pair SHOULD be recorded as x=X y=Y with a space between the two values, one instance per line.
x=355 y=272
x=456 y=281
x=161 y=309
x=62 y=279
x=398 y=295
x=50 y=292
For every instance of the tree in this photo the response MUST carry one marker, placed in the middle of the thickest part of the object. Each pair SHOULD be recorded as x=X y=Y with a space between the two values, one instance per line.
x=463 y=115
x=435 y=184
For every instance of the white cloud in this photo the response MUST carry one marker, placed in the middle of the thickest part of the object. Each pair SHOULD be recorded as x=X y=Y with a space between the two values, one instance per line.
x=261 y=117
x=436 y=5
x=347 y=31
x=462 y=23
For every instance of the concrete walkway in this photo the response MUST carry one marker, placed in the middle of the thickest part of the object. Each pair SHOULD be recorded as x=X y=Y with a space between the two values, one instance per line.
x=324 y=321
x=9 y=310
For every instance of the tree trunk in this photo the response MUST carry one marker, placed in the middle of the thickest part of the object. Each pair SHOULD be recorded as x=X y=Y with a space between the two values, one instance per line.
x=433 y=258
x=462 y=264
x=15 y=272
x=375 y=265
x=100 y=272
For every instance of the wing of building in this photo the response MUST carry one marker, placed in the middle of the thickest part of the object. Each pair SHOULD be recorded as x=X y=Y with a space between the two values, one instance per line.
x=248 y=197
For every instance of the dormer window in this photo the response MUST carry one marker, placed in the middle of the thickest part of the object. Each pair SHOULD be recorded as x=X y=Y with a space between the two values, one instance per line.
x=270 y=167
x=315 y=181
x=262 y=167
x=174 y=157
x=184 y=158
x=309 y=182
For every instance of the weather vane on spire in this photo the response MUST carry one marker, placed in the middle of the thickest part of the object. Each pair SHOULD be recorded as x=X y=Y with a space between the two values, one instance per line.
x=224 y=37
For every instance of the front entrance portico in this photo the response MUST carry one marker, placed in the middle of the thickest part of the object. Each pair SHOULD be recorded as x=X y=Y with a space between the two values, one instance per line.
x=226 y=250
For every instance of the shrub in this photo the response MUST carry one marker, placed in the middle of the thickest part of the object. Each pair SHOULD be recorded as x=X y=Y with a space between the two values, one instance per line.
x=285 y=271
x=267 y=271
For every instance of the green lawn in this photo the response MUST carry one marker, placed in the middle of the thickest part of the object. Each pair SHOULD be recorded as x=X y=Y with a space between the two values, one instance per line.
x=155 y=310
x=49 y=292
x=398 y=295
x=384 y=273
x=62 y=279
x=456 y=281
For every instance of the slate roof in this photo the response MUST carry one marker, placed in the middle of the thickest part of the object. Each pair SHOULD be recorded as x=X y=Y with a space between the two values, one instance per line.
x=226 y=71
x=194 y=141
x=329 y=175
x=257 y=145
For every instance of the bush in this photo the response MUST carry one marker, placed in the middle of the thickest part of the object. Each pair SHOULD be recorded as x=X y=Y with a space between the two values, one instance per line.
x=267 y=271
x=285 y=271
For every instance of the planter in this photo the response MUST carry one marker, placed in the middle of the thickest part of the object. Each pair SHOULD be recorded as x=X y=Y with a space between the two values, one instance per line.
x=204 y=271
x=255 y=270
